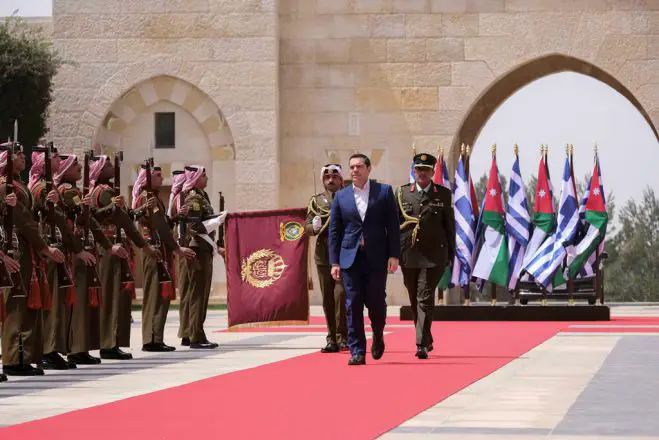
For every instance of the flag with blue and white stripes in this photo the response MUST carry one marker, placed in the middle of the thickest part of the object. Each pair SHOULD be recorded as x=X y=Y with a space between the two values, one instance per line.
x=551 y=254
x=518 y=224
x=412 y=178
x=465 y=226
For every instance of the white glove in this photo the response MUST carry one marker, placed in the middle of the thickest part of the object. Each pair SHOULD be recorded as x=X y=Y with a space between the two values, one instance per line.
x=317 y=223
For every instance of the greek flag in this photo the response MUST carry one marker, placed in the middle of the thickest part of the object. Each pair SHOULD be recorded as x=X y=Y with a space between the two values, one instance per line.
x=518 y=224
x=464 y=227
x=549 y=257
x=412 y=178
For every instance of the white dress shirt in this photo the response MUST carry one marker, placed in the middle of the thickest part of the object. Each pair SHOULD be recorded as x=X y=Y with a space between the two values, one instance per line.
x=423 y=190
x=361 y=198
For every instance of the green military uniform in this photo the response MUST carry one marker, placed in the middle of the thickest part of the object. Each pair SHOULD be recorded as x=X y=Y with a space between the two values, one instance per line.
x=155 y=302
x=332 y=291
x=427 y=246
x=116 y=303
x=23 y=324
x=197 y=273
x=57 y=319
x=84 y=331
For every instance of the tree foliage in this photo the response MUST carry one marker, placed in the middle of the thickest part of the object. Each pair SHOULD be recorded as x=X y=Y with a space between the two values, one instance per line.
x=631 y=272
x=28 y=63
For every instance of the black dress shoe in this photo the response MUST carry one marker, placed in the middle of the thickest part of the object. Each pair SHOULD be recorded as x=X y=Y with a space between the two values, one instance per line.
x=343 y=346
x=22 y=370
x=331 y=347
x=83 y=358
x=53 y=361
x=430 y=348
x=203 y=345
x=377 y=348
x=157 y=346
x=185 y=342
x=115 y=353
x=3 y=377
x=421 y=352
x=357 y=359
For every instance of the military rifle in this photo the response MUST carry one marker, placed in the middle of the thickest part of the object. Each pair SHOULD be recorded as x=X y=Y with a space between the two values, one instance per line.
x=93 y=280
x=164 y=275
x=126 y=272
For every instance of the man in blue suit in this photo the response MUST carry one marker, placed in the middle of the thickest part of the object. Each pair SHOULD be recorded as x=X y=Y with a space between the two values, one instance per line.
x=364 y=243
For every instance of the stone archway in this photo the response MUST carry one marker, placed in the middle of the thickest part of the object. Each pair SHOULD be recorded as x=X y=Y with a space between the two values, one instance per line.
x=494 y=95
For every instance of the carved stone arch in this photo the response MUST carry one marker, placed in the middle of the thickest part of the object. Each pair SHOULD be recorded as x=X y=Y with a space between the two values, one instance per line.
x=496 y=93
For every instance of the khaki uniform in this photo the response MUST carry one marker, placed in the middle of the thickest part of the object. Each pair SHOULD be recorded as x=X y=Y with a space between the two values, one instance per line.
x=197 y=273
x=56 y=320
x=180 y=277
x=116 y=303
x=84 y=329
x=23 y=324
x=155 y=303
x=425 y=254
x=333 y=292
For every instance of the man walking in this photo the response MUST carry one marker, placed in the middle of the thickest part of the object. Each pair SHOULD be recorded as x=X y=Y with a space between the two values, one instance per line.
x=427 y=244
x=363 y=244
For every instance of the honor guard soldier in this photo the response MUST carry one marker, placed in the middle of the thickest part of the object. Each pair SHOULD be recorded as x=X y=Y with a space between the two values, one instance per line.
x=197 y=273
x=110 y=210
x=84 y=331
x=332 y=291
x=158 y=287
x=22 y=342
x=427 y=242
x=56 y=277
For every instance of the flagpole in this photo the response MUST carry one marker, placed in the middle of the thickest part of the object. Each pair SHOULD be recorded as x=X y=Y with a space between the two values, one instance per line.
x=569 y=150
x=465 y=288
x=599 y=290
x=515 y=293
x=440 y=154
x=545 y=153
x=493 y=287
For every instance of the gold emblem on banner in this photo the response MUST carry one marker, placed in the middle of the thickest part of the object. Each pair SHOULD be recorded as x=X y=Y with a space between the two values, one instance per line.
x=290 y=231
x=262 y=268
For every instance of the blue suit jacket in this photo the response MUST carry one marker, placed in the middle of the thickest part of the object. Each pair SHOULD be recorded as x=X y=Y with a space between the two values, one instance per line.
x=380 y=227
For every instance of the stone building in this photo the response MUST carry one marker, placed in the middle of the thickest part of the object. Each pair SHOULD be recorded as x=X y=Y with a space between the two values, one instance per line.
x=262 y=92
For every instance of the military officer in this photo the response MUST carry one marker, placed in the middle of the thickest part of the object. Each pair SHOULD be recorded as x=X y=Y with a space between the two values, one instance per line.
x=21 y=332
x=427 y=242
x=154 y=226
x=111 y=212
x=84 y=331
x=198 y=273
x=332 y=291
x=56 y=318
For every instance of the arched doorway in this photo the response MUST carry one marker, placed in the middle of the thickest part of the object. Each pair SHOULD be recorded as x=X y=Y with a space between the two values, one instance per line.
x=494 y=95
x=197 y=129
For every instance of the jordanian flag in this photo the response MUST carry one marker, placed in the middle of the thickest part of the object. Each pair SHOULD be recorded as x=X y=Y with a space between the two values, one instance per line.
x=544 y=217
x=492 y=261
x=596 y=218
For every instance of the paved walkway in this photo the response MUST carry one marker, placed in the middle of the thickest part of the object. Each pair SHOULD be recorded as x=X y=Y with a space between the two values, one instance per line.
x=573 y=386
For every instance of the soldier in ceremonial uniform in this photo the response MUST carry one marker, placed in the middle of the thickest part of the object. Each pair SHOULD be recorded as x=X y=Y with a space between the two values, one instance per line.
x=154 y=225
x=427 y=242
x=8 y=266
x=84 y=331
x=110 y=210
x=333 y=292
x=22 y=342
x=177 y=212
x=198 y=273
x=56 y=318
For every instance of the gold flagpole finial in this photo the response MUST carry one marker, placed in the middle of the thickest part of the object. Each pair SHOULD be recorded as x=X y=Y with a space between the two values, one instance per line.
x=516 y=149
x=413 y=149
x=440 y=150
x=468 y=150
x=567 y=149
x=462 y=149
x=571 y=149
x=494 y=149
x=595 y=148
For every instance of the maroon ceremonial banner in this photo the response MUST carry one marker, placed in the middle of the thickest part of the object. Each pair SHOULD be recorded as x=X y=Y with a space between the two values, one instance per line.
x=266 y=261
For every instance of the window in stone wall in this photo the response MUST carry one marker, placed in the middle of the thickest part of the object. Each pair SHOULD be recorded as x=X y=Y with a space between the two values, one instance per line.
x=165 y=129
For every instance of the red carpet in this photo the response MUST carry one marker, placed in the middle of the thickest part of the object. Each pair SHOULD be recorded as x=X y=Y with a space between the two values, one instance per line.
x=312 y=396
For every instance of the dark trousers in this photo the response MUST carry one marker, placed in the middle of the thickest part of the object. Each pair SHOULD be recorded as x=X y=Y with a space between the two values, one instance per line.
x=334 y=305
x=421 y=285
x=364 y=287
